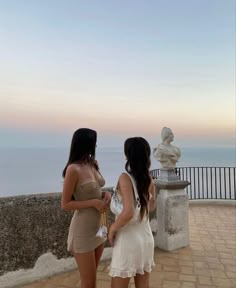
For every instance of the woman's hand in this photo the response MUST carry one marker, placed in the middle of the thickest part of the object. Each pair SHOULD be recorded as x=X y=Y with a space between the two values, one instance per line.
x=112 y=235
x=106 y=196
x=100 y=205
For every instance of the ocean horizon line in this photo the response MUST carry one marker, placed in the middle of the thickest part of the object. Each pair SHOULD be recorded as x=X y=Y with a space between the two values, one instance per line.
x=217 y=146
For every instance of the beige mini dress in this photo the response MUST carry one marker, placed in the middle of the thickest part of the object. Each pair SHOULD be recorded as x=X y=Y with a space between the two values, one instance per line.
x=85 y=223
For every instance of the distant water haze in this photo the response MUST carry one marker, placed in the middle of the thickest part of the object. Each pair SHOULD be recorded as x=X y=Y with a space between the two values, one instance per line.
x=38 y=170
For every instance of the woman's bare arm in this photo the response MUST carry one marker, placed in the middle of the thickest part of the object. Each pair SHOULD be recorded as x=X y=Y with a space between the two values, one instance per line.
x=152 y=199
x=126 y=191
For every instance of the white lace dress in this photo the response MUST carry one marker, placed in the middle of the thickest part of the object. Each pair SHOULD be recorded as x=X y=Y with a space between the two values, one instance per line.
x=133 y=250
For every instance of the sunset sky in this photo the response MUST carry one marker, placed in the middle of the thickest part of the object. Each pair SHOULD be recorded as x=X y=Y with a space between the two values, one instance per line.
x=124 y=68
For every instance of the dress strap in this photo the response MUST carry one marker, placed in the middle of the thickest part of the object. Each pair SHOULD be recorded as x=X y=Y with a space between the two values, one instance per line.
x=134 y=187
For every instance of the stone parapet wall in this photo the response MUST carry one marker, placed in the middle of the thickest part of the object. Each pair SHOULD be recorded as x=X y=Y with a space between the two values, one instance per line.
x=30 y=226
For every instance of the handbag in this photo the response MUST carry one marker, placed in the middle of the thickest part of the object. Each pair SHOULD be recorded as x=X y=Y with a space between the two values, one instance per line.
x=103 y=229
x=116 y=204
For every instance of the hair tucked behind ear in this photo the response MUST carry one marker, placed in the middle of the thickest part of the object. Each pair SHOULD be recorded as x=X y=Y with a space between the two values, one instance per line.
x=137 y=151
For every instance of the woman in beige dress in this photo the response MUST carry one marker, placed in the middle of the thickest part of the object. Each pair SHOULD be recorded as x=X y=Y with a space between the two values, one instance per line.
x=82 y=193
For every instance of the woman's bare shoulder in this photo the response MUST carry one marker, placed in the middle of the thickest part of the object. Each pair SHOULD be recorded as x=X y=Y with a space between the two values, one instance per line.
x=73 y=168
x=124 y=178
x=124 y=181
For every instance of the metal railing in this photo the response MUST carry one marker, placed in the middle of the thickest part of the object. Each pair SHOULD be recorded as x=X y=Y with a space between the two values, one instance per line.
x=207 y=182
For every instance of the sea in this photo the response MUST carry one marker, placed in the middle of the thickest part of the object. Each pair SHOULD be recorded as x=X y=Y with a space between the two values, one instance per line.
x=25 y=171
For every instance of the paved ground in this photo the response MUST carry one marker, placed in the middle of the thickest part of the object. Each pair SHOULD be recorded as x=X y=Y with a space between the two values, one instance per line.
x=209 y=261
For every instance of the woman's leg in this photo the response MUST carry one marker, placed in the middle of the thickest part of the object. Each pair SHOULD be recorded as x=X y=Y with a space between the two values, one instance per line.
x=98 y=253
x=142 y=280
x=118 y=282
x=87 y=268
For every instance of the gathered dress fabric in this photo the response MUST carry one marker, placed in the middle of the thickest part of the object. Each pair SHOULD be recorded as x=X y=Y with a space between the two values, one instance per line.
x=85 y=223
x=133 y=251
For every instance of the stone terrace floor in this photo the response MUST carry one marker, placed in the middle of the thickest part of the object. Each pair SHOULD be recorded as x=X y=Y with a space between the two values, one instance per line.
x=209 y=261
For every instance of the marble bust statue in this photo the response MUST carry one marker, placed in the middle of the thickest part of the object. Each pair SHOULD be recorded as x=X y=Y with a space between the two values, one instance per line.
x=165 y=152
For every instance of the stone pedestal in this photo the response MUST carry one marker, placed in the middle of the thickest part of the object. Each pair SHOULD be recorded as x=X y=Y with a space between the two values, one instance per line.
x=168 y=175
x=172 y=212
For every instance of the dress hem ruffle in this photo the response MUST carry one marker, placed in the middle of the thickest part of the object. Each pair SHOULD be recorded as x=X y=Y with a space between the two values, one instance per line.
x=128 y=274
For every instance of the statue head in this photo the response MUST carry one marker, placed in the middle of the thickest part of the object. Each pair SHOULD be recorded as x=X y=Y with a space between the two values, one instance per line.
x=167 y=135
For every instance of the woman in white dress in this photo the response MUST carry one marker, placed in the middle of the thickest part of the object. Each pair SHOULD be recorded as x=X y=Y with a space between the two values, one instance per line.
x=130 y=235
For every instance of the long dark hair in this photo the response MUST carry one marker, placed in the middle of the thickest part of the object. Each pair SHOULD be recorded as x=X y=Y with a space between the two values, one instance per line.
x=137 y=151
x=82 y=149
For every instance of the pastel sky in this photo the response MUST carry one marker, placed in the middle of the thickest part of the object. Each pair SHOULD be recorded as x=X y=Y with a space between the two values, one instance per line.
x=124 y=68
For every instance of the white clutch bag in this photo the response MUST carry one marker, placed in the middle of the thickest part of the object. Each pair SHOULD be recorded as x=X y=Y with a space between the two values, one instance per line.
x=103 y=229
x=116 y=204
x=102 y=232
